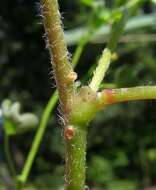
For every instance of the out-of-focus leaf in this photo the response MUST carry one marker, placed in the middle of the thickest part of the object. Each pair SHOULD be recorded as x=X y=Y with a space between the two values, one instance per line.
x=28 y=120
x=153 y=1
x=15 y=111
x=138 y=22
x=122 y=185
x=121 y=160
x=100 y=171
x=93 y=3
x=6 y=105
x=14 y=122
x=151 y=154
x=87 y=2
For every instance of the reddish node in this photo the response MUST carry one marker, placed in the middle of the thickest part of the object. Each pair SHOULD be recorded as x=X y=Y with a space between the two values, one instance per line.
x=69 y=132
x=109 y=96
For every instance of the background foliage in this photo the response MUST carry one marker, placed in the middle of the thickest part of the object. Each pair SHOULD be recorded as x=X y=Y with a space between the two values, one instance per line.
x=122 y=140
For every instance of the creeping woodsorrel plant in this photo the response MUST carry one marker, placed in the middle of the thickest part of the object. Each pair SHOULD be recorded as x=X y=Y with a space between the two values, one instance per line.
x=79 y=106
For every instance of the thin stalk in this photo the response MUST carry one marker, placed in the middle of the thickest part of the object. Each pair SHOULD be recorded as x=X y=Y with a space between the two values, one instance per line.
x=8 y=156
x=83 y=41
x=37 y=139
x=117 y=30
x=110 y=96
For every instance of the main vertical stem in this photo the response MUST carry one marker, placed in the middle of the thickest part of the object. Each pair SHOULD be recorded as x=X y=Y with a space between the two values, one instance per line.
x=63 y=72
x=76 y=159
x=75 y=136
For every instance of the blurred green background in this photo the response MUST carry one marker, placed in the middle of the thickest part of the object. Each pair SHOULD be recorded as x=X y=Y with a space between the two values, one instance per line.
x=122 y=138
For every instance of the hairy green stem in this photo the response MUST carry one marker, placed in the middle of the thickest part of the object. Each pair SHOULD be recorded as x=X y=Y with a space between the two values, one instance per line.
x=75 y=158
x=101 y=69
x=45 y=118
x=64 y=75
x=75 y=138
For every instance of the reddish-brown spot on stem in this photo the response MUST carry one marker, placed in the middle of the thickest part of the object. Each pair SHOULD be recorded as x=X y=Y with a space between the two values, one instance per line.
x=109 y=96
x=69 y=132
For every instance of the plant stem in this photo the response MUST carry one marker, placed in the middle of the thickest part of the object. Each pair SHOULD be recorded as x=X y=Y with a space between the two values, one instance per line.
x=101 y=69
x=37 y=139
x=45 y=117
x=83 y=41
x=110 y=96
x=8 y=156
x=117 y=30
x=64 y=75
x=52 y=102
x=76 y=160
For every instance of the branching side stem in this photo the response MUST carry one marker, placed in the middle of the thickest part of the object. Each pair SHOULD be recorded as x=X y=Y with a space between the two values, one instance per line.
x=110 y=96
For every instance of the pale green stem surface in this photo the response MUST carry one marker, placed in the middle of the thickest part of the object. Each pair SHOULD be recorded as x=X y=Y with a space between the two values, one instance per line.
x=75 y=172
x=135 y=93
x=101 y=69
x=109 y=96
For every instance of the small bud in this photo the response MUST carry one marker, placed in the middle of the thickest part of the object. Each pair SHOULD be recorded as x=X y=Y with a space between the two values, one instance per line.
x=72 y=76
x=69 y=132
x=115 y=57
